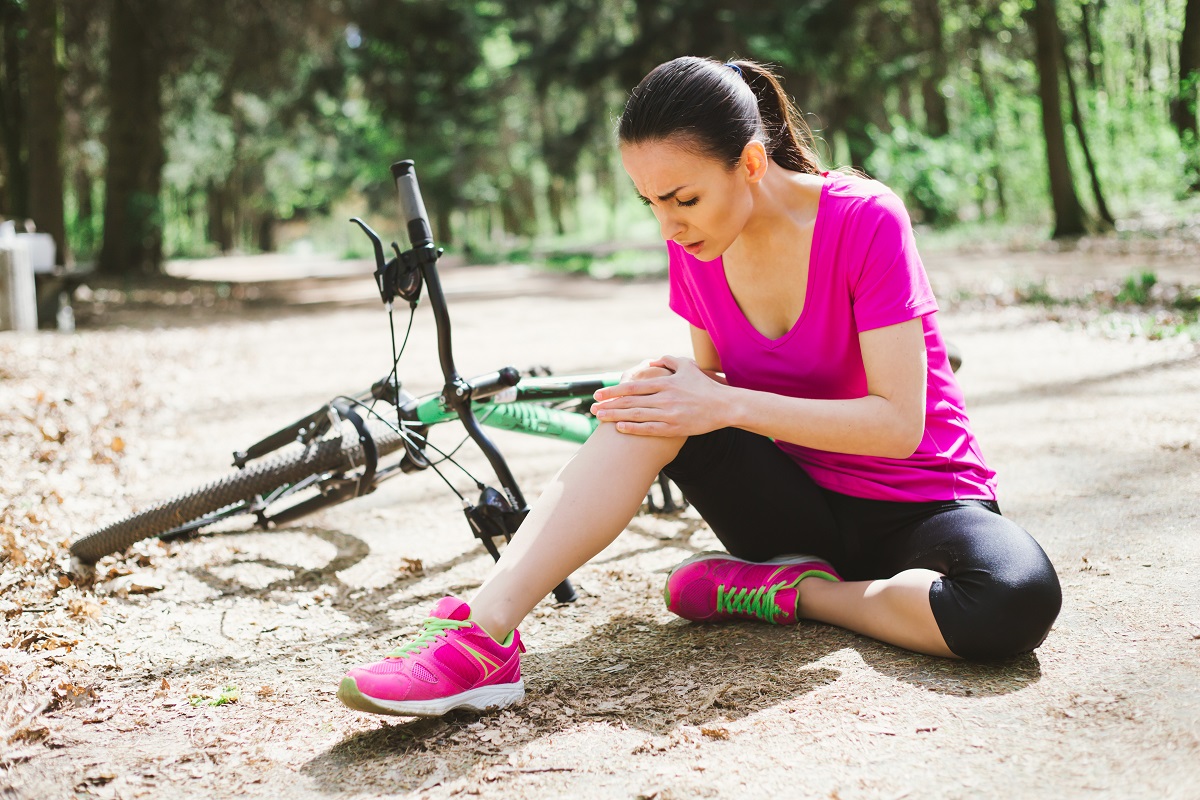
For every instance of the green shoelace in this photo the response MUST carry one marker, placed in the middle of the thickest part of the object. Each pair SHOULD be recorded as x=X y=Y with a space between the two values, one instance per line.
x=757 y=602
x=434 y=627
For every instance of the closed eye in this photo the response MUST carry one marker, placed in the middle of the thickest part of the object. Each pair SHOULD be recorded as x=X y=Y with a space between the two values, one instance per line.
x=683 y=203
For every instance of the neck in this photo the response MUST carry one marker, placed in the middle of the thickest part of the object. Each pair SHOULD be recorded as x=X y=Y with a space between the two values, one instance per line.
x=785 y=206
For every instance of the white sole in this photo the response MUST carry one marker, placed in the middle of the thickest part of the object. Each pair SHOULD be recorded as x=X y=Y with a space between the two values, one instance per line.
x=483 y=698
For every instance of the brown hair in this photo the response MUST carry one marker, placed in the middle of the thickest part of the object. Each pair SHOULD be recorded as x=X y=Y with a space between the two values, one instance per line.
x=718 y=108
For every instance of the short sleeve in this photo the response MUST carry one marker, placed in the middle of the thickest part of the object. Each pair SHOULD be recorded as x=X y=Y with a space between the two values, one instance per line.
x=682 y=298
x=888 y=285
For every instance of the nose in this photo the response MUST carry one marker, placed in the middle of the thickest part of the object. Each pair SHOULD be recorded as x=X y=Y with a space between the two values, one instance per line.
x=669 y=225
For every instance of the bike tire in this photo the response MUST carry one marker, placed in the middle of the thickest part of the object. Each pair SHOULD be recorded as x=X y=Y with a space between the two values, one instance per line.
x=261 y=478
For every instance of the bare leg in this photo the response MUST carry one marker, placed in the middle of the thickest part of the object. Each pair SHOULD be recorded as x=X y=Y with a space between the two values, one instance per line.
x=581 y=512
x=895 y=610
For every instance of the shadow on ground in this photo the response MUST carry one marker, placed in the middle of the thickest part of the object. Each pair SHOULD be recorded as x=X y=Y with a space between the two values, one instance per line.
x=651 y=677
x=949 y=676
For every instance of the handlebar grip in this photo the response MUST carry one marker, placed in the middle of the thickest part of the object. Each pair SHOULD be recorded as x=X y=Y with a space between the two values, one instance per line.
x=411 y=204
x=493 y=383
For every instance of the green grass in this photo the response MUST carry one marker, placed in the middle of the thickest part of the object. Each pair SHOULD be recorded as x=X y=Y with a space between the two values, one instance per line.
x=1139 y=305
x=224 y=696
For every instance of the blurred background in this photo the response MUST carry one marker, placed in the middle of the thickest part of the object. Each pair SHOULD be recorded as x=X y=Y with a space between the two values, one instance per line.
x=136 y=131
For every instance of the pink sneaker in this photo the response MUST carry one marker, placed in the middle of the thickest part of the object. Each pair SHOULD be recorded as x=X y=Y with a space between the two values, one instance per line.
x=713 y=587
x=452 y=664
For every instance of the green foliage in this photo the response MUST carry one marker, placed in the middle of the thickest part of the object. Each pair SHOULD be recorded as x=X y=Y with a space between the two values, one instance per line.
x=941 y=179
x=281 y=112
x=640 y=263
x=1136 y=288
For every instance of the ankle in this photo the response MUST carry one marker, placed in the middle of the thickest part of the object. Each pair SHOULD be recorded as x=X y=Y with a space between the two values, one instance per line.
x=804 y=589
x=491 y=627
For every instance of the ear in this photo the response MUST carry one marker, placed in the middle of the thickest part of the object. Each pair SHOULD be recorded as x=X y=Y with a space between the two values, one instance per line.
x=754 y=161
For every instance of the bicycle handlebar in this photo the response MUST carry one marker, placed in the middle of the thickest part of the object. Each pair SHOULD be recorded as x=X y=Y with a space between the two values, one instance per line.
x=457 y=393
x=420 y=234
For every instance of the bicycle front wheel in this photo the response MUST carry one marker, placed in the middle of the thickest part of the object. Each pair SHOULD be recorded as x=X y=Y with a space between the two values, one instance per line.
x=256 y=480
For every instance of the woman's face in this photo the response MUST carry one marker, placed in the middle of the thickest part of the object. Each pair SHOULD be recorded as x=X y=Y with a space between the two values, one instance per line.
x=698 y=202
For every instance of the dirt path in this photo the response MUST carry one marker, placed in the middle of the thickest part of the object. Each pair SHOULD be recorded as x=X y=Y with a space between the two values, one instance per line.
x=1097 y=442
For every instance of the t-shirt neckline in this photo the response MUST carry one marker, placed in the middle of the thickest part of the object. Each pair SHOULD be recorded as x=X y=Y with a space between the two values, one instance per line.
x=813 y=254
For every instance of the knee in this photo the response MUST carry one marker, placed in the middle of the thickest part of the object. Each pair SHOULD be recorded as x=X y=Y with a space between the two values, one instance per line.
x=999 y=615
x=695 y=456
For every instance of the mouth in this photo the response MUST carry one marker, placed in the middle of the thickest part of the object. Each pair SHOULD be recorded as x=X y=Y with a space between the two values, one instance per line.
x=692 y=247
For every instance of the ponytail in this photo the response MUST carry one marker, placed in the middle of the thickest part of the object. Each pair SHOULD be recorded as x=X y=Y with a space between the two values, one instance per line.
x=717 y=109
x=787 y=134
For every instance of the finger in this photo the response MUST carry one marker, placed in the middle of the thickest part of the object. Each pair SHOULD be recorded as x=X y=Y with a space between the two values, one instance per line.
x=645 y=428
x=637 y=387
x=667 y=362
x=628 y=414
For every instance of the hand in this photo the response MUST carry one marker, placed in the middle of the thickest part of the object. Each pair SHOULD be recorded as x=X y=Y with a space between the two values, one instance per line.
x=645 y=371
x=667 y=396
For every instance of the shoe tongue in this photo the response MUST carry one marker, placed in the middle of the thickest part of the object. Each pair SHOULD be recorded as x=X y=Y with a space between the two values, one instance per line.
x=451 y=608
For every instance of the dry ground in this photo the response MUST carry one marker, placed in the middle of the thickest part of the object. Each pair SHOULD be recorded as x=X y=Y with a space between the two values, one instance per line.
x=1097 y=441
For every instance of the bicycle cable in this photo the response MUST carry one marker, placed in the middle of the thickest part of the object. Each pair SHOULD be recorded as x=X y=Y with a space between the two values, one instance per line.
x=406 y=434
x=394 y=374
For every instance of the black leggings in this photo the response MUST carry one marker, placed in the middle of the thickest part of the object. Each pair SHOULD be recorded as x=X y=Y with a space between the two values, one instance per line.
x=1000 y=593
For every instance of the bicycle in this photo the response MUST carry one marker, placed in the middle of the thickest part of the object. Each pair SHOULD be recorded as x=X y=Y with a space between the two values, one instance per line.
x=337 y=453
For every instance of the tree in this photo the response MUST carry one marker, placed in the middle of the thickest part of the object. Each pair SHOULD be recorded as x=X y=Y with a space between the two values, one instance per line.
x=85 y=43
x=134 y=141
x=44 y=121
x=15 y=173
x=1183 y=106
x=1077 y=121
x=1069 y=217
x=928 y=18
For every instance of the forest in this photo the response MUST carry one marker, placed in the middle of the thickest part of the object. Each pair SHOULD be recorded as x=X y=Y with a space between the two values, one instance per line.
x=135 y=131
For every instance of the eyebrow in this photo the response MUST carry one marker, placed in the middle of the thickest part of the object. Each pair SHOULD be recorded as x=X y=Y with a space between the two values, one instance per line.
x=668 y=195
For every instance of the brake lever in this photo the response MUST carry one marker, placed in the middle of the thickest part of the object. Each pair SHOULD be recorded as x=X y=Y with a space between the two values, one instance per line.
x=395 y=276
x=375 y=242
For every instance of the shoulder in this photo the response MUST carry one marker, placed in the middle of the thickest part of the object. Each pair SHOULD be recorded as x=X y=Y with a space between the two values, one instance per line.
x=864 y=201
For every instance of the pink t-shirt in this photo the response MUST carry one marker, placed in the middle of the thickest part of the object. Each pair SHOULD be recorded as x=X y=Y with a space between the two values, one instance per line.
x=864 y=273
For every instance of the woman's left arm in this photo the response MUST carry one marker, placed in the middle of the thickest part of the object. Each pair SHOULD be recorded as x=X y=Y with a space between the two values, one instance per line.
x=889 y=421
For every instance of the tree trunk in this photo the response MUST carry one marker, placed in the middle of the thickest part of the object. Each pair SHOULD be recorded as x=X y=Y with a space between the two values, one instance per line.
x=44 y=121
x=555 y=202
x=443 y=223
x=1091 y=57
x=15 y=200
x=219 y=230
x=1069 y=219
x=1184 y=105
x=266 y=232
x=993 y=144
x=133 y=176
x=85 y=237
x=517 y=207
x=844 y=115
x=1077 y=121
x=928 y=14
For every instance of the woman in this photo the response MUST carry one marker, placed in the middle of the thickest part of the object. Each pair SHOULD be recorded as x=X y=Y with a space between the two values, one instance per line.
x=819 y=416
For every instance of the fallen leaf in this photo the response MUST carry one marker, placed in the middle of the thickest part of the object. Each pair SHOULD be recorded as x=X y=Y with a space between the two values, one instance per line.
x=876 y=729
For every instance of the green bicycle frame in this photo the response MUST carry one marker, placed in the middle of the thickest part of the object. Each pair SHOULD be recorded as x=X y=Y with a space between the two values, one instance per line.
x=520 y=408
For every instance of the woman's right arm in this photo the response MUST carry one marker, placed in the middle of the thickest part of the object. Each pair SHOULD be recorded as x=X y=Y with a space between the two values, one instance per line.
x=705 y=353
